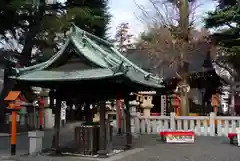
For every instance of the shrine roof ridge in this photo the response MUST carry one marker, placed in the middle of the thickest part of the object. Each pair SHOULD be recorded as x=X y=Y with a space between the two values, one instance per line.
x=98 y=51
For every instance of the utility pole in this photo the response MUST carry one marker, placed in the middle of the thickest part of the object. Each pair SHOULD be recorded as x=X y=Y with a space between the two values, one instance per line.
x=183 y=6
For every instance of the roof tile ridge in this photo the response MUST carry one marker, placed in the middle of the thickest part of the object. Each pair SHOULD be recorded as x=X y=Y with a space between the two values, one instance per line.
x=148 y=75
x=77 y=29
x=105 y=55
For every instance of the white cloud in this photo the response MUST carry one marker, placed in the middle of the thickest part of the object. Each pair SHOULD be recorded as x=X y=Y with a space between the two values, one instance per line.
x=127 y=11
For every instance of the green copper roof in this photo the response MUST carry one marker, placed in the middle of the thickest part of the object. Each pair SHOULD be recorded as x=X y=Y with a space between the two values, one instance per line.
x=41 y=75
x=96 y=50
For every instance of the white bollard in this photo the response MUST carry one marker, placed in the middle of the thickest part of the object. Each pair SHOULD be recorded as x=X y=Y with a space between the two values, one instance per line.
x=35 y=142
x=238 y=136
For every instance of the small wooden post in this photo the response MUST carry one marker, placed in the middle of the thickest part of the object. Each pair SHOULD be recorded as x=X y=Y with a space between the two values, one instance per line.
x=13 y=97
x=102 y=134
x=215 y=102
x=41 y=108
x=128 y=144
x=57 y=125
x=119 y=115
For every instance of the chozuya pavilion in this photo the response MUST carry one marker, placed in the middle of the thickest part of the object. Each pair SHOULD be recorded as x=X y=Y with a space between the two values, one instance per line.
x=88 y=69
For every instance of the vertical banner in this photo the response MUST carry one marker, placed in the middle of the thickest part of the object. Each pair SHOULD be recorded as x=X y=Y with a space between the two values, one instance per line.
x=163 y=105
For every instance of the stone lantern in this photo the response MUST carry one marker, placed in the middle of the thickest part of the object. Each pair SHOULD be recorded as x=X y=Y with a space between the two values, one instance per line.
x=146 y=102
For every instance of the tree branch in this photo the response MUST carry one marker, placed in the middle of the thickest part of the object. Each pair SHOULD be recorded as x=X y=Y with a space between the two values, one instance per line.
x=226 y=67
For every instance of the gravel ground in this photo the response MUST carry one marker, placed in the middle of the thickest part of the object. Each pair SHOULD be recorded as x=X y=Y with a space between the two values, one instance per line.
x=205 y=149
x=150 y=148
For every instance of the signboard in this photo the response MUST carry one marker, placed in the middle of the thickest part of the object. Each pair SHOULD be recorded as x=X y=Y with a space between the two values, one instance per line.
x=170 y=138
x=63 y=110
x=163 y=105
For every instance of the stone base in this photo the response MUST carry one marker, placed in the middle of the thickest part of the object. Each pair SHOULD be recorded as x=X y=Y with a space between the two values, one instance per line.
x=119 y=131
x=35 y=141
x=128 y=147
x=8 y=158
x=35 y=134
x=102 y=154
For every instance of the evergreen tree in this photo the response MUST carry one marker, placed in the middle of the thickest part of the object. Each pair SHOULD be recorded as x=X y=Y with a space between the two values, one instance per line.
x=40 y=26
x=53 y=21
x=226 y=16
x=225 y=21
x=93 y=16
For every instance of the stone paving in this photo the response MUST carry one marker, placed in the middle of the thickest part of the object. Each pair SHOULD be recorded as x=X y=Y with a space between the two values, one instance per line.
x=66 y=135
x=150 y=148
x=205 y=149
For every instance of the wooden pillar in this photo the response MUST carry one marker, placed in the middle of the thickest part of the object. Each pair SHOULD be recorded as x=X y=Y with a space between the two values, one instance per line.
x=203 y=104
x=56 y=136
x=102 y=146
x=41 y=109
x=69 y=112
x=72 y=112
x=52 y=96
x=119 y=115
x=88 y=113
x=128 y=144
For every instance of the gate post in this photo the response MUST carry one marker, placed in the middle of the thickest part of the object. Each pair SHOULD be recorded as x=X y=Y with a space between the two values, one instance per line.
x=212 y=123
x=172 y=121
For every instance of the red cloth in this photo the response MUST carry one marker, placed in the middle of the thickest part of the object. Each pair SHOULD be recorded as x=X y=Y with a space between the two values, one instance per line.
x=155 y=114
x=231 y=135
x=177 y=133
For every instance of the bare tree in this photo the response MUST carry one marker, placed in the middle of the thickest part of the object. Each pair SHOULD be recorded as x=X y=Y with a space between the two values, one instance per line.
x=166 y=13
x=162 y=47
x=171 y=39
x=123 y=37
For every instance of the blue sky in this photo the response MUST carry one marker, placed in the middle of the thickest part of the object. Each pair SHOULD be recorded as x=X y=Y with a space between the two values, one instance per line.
x=127 y=11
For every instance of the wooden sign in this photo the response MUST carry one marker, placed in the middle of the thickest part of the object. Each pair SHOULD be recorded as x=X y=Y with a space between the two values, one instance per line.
x=180 y=137
x=163 y=105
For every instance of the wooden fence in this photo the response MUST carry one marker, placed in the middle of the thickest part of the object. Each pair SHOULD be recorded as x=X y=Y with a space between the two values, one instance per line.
x=202 y=125
x=29 y=120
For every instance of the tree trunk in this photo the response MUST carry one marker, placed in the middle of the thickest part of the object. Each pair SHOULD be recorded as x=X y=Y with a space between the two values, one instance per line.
x=8 y=84
x=184 y=97
x=24 y=60
x=34 y=29
x=184 y=26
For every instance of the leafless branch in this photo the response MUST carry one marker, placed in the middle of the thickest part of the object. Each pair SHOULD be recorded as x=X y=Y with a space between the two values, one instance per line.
x=230 y=26
x=164 y=13
x=226 y=67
